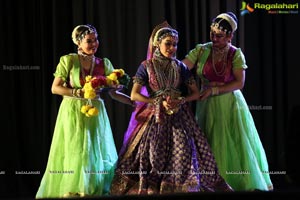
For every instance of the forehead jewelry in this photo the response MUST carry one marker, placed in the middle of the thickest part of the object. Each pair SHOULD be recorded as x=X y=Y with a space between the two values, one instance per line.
x=84 y=33
x=217 y=25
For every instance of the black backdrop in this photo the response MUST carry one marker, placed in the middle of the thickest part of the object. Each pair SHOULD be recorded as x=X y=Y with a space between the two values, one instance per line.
x=35 y=33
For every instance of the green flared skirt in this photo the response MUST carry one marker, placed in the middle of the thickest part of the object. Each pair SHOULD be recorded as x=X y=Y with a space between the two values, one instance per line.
x=82 y=156
x=230 y=129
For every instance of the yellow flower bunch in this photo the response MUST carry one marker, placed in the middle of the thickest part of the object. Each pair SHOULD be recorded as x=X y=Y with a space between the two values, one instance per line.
x=112 y=79
x=117 y=77
x=89 y=110
x=90 y=93
x=89 y=90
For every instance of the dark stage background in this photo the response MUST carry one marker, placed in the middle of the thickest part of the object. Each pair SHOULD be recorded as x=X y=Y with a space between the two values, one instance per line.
x=35 y=33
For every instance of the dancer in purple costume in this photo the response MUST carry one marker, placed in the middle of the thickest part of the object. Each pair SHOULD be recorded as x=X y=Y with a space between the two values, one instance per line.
x=164 y=150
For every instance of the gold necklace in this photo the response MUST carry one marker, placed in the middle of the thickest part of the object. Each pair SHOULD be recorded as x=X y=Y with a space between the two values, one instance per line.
x=166 y=74
x=85 y=56
x=91 y=69
x=220 y=55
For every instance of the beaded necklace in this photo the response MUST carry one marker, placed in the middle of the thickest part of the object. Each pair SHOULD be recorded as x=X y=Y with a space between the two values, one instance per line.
x=220 y=56
x=83 y=74
x=165 y=70
x=85 y=56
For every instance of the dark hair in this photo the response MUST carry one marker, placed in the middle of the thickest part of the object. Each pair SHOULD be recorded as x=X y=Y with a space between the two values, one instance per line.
x=164 y=32
x=80 y=31
x=224 y=23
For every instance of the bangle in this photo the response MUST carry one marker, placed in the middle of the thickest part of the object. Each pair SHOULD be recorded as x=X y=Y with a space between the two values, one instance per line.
x=73 y=92
x=182 y=100
x=214 y=91
x=157 y=101
x=78 y=93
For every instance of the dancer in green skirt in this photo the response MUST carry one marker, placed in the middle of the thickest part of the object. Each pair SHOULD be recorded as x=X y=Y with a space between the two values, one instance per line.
x=222 y=111
x=83 y=155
